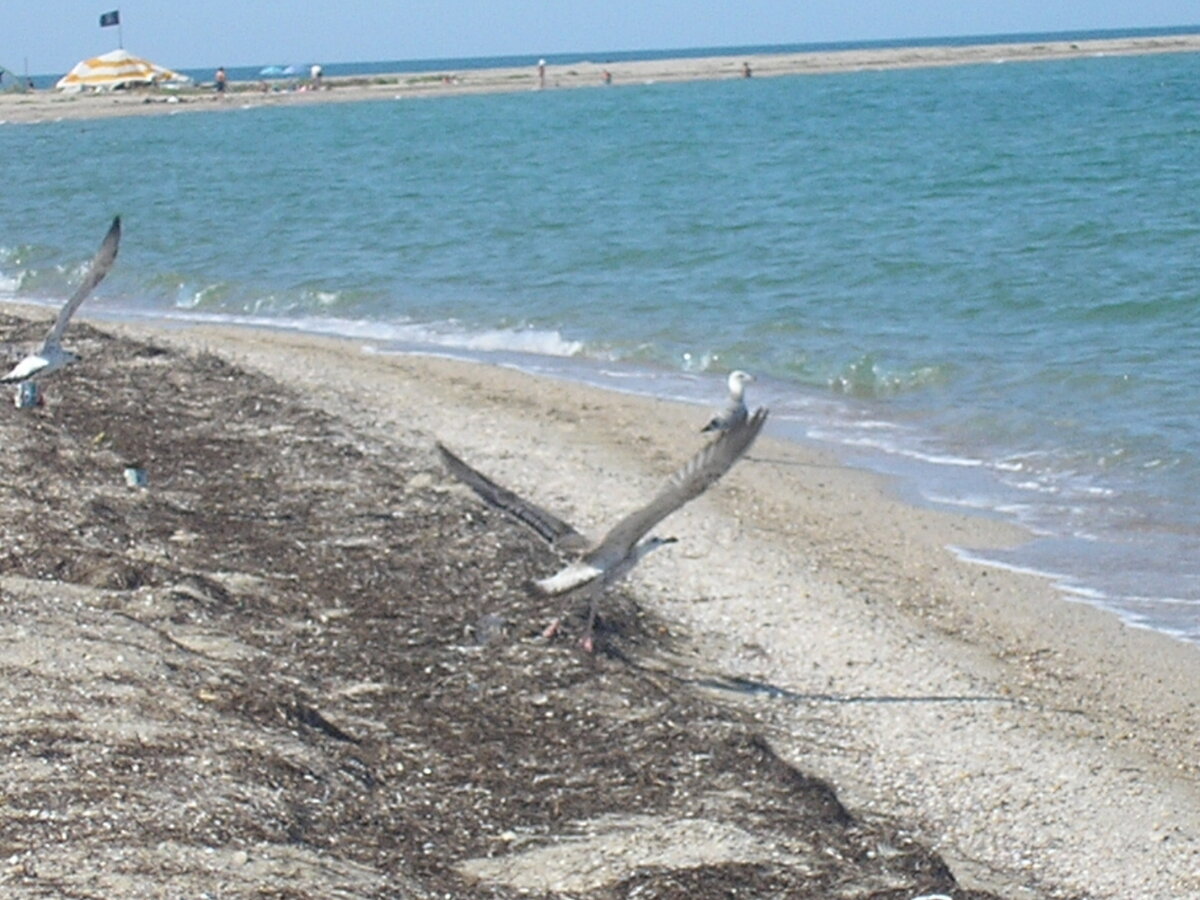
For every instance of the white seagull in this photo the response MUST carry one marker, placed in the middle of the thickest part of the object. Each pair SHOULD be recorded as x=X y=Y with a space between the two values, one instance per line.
x=596 y=565
x=734 y=412
x=52 y=357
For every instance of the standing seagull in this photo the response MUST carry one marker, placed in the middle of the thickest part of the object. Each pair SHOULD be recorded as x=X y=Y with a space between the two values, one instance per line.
x=734 y=412
x=52 y=357
x=597 y=565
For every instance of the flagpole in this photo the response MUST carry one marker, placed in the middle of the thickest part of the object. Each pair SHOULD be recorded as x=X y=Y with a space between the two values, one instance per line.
x=109 y=19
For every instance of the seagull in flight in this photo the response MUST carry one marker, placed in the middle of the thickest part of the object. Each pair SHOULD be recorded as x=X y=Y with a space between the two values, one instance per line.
x=594 y=566
x=51 y=356
x=734 y=411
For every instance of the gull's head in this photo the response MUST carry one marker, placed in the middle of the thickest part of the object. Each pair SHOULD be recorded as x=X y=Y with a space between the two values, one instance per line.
x=738 y=381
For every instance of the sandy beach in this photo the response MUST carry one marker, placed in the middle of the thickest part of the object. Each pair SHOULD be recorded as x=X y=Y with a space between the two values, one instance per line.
x=310 y=636
x=43 y=106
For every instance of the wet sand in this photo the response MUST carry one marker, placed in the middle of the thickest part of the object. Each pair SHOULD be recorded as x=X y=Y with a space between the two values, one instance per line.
x=44 y=106
x=1042 y=748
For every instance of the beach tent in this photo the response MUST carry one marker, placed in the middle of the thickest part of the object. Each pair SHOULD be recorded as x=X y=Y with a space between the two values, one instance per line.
x=115 y=70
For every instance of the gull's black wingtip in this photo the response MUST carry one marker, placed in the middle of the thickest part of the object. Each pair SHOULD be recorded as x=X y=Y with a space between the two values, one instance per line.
x=754 y=424
x=112 y=238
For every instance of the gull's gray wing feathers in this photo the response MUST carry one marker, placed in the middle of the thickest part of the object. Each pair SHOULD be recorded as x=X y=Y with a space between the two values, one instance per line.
x=700 y=472
x=732 y=415
x=551 y=528
x=99 y=267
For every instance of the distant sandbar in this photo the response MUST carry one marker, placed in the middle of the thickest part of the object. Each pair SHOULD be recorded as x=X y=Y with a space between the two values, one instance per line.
x=49 y=106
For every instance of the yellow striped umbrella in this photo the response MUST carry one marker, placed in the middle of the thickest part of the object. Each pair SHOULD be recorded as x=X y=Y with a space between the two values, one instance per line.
x=118 y=69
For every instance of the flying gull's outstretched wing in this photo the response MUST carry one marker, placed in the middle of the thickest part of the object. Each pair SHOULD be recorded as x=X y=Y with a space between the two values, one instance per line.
x=700 y=472
x=99 y=267
x=552 y=529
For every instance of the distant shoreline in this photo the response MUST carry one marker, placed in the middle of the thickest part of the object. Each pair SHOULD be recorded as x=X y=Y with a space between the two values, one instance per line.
x=50 y=106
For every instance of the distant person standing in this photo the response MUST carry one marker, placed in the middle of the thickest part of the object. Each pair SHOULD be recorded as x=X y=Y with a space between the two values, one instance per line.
x=607 y=77
x=541 y=74
x=316 y=72
x=221 y=79
x=745 y=70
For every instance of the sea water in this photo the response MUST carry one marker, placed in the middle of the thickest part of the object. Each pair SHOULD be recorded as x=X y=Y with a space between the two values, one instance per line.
x=983 y=280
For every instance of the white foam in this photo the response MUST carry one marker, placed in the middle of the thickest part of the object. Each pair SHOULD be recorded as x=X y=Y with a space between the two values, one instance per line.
x=983 y=502
x=938 y=459
x=1165 y=601
x=700 y=362
x=1035 y=486
x=878 y=425
x=543 y=343
x=977 y=558
x=438 y=334
x=622 y=374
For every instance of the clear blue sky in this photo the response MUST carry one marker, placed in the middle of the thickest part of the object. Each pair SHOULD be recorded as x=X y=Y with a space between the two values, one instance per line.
x=55 y=34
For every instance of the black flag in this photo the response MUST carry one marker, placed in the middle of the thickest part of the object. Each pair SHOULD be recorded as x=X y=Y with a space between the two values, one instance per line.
x=110 y=18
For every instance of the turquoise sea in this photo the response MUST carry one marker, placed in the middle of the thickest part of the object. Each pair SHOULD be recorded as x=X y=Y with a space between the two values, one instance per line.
x=982 y=280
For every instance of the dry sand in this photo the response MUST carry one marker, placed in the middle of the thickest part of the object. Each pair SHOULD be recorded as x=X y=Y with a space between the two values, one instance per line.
x=1039 y=746
x=45 y=106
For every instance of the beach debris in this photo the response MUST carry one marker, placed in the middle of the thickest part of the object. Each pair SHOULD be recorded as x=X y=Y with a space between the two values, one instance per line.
x=51 y=356
x=595 y=566
x=734 y=411
x=28 y=395
x=488 y=629
x=303 y=714
x=136 y=477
